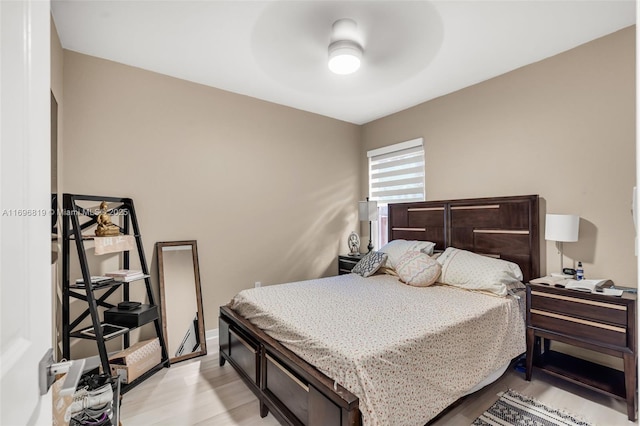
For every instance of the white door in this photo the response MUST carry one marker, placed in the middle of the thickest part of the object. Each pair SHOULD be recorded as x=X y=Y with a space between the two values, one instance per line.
x=25 y=277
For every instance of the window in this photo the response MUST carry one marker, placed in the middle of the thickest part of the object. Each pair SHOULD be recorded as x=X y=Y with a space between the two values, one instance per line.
x=396 y=175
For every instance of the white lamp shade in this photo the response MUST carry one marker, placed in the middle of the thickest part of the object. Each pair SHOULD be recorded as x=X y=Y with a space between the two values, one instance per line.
x=562 y=227
x=368 y=211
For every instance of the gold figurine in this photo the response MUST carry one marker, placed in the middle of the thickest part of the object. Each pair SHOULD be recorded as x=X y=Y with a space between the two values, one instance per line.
x=105 y=227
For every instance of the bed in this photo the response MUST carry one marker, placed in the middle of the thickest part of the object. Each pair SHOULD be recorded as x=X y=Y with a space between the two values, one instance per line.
x=349 y=359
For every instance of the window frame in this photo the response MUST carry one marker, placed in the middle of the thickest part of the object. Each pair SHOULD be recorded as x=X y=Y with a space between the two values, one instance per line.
x=380 y=235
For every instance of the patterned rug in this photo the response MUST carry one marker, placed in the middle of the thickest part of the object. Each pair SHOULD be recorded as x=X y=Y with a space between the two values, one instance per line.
x=515 y=409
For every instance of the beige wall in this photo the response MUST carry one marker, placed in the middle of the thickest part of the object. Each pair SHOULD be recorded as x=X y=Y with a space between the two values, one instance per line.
x=269 y=192
x=563 y=128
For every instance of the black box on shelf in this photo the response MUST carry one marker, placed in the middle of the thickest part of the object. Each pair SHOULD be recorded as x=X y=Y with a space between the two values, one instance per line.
x=131 y=317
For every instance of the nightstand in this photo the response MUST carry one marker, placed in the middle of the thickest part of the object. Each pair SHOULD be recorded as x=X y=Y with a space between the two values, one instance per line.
x=605 y=324
x=346 y=262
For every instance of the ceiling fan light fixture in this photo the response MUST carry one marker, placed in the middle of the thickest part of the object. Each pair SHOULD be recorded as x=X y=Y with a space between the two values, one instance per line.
x=345 y=47
x=344 y=57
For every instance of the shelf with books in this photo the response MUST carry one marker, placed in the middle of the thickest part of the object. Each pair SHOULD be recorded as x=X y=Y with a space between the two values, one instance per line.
x=109 y=284
x=87 y=237
x=108 y=320
x=97 y=281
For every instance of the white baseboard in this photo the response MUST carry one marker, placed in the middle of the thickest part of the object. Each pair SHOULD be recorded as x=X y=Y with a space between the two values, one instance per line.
x=211 y=334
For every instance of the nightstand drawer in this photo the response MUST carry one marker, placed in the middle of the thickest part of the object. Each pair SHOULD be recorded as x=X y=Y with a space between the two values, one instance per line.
x=346 y=263
x=592 y=310
x=579 y=328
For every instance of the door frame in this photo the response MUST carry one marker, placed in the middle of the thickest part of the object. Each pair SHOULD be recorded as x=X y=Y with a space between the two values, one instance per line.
x=25 y=271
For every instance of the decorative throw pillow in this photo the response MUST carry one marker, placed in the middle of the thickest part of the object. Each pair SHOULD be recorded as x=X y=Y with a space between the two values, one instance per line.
x=396 y=248
x=472 y=271
x=369 y=264
x=418 y=269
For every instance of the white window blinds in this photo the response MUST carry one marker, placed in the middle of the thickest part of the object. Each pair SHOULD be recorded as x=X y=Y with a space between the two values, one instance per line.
x=396 y=173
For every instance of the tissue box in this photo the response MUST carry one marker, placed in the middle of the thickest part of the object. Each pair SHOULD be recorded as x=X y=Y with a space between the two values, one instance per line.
x=137 y=359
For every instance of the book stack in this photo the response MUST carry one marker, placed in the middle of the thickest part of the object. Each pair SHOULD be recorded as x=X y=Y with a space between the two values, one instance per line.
x=96 y=281
x=126 y=275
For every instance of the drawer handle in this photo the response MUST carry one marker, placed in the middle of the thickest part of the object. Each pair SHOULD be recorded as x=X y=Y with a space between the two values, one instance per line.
x=487 y=206
x=580 y=321
x=501 y=231
x=244 y=342
x=584 y=301
x=288 y=373
x=425 y=209
x=409 y=229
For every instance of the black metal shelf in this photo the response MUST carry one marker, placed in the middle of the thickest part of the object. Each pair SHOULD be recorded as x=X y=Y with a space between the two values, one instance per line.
x=107 y=284
x=148 y=312
x=81 y=335
x=73 y=230
x=93 y=237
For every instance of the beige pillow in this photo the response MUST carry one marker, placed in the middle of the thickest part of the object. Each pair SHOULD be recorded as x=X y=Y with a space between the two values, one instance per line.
x=472 y=271
x=418 y=269
x=396 y=248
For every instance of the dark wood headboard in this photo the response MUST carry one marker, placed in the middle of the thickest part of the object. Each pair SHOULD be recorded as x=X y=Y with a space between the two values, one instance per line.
x=501 y=227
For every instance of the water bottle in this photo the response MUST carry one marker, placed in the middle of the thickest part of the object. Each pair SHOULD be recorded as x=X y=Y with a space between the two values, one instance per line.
x=579 y=272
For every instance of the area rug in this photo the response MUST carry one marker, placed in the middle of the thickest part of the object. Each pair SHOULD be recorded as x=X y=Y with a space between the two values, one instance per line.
x=515 y=409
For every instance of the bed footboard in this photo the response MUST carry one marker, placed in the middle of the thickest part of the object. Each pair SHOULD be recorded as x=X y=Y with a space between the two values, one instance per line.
x=294 y=391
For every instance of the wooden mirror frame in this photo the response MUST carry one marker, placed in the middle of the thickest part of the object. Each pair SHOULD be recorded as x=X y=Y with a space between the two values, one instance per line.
x=163 y=298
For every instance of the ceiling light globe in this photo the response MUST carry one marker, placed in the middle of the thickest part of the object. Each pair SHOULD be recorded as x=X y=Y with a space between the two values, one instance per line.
x=344 y=64
x=344 y=57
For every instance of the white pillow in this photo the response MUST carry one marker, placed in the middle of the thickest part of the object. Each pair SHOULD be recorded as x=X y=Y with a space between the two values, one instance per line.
x=418 y=269
x=472 y=271
x=396 y=248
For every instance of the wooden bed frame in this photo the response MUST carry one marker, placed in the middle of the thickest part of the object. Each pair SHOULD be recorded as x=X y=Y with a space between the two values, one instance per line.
x=294 y=391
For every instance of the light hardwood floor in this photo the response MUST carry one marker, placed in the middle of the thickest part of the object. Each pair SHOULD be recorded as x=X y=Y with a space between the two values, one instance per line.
x=199 y=392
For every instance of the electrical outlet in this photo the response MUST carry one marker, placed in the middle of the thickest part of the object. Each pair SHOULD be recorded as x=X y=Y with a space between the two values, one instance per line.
x=258 y=284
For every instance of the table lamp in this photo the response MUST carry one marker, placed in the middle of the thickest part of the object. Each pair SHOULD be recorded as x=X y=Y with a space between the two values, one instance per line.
x=368 y=211
x=562 y=228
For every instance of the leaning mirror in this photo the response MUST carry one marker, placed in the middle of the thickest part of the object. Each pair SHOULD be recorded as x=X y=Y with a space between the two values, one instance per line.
x=181 y=299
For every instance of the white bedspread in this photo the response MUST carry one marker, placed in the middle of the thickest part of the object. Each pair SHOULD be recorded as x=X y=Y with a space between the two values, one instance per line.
x=406 y=352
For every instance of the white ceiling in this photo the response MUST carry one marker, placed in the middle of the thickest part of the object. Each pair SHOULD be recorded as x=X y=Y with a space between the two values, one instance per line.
x=414 y=51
